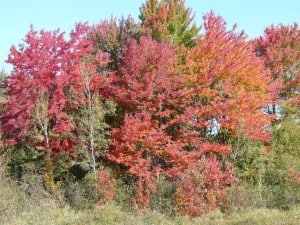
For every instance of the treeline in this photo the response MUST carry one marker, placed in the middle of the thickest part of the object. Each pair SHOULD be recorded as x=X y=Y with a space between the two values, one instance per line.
x=156 y=111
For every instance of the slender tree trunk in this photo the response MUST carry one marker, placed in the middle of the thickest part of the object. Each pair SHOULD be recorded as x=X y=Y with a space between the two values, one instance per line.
x=42 y=121
x=91 y=130
x=260 y=189
x=49 y=176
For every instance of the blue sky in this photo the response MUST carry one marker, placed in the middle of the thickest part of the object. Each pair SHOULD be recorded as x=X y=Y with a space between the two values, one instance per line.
x=17 y=15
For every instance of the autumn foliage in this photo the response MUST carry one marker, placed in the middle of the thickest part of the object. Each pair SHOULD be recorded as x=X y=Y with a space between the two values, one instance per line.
x=149 y=100
x=229 y=83
x=36 y=110
x=202 y=187
x=175 y=115
x=279 y=46
x=146 y=86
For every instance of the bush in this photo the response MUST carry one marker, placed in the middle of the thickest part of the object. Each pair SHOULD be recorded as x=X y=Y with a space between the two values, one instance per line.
x=81 y=194
x=202 y=187
x=162 y=199
x=245 y=196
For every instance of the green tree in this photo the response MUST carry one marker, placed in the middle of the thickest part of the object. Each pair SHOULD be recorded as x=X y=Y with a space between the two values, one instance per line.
x=2 y=101
x=168 y=20
x=284 y=175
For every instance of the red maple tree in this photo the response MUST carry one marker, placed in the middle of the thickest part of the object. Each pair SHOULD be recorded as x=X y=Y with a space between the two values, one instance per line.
x=148 y=88
x=279 y=48
x=228 y=84
x=36 y=112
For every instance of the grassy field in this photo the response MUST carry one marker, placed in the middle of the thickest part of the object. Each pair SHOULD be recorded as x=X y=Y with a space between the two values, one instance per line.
x=113 y=215
x=18 y=209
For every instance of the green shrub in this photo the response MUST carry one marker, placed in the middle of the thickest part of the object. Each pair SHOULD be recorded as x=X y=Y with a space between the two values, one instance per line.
x=162 y=199
x=125 y=189
x=81 y=194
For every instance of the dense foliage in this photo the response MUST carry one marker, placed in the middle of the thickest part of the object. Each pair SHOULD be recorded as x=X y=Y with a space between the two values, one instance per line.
x=123 y=105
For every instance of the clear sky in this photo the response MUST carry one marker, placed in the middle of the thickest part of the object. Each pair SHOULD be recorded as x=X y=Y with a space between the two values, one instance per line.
x=16 y=15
